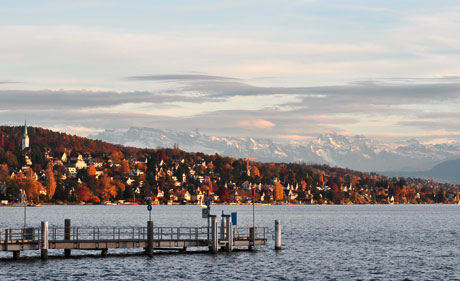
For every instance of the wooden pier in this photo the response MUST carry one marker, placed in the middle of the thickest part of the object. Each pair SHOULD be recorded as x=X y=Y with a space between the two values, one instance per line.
x=149 y=238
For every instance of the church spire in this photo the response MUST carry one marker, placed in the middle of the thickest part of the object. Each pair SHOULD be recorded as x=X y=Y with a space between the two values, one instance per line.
x=25 y=128
x=25 y=138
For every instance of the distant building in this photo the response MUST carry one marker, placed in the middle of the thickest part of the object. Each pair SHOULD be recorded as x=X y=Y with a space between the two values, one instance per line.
x=25 y=138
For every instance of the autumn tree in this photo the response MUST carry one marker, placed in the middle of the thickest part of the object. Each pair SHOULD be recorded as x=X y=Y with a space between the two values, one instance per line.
x=279 y=191
x=4 y=172
x=255 y=172
x=205 y=188
x=84 y=193
x=11 y=159
x=117 y=156
x=303 y=185
x=50 y=181
x=31 y=187
x=142 y=167
x=108 y=189
x=125 y=167
x=91 y=171
x=119 y=186
x=224 y=194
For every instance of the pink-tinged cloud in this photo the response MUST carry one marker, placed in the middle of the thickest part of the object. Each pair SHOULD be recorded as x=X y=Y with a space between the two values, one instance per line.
x=256 y=124
x=296 y=137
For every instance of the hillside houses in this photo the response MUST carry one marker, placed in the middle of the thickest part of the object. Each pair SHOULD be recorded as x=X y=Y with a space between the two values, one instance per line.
x=91 y=171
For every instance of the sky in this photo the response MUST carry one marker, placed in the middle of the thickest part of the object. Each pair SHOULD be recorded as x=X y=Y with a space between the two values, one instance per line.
x=286 y=70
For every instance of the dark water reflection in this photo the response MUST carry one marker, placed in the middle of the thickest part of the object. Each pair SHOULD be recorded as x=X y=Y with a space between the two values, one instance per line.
x=412 y=242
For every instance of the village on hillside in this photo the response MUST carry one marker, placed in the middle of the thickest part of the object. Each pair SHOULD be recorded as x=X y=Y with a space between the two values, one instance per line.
x=57 y=168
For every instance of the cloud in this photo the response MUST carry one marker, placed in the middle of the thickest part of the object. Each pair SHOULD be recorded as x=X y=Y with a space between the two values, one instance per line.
x=256 y=123
x=65 y=99
x=214 y=105
x=181 y=77
x=433 y=125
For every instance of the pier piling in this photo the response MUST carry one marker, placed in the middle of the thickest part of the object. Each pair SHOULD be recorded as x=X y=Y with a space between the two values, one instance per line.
x=6 y=239
x=252 y=238
x=277 y=235
x=214 y=235
x=16 y=255
x=67 y=230
x=44 y=240
x=229 y=232
x=223 y=226
x=149 y=249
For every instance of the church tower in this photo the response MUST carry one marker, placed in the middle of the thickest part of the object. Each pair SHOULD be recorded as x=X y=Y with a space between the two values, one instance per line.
x=25 y=138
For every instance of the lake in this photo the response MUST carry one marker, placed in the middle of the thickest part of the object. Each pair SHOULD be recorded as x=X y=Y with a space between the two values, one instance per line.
x=353 y=242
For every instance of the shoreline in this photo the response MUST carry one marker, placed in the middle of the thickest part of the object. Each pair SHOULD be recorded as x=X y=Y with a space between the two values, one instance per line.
x=218 y=204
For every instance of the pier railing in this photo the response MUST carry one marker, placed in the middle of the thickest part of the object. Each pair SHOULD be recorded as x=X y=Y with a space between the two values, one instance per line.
x=119 y=233
x=19 y=234
x=242 y=233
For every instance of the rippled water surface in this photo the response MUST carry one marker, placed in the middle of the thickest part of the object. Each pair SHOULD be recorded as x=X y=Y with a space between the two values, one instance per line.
x=415 y=242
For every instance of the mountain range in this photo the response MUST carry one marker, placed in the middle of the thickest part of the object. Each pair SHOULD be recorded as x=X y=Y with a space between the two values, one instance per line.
x=355 y=152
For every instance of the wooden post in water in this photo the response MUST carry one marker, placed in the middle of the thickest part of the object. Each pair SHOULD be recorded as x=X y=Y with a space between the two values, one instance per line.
x=44 y=240
x=16 y=255
x=251 y=238
x=67 y=230
x=149 y=249
x=277 y=235
x=104 y=252
x=214 y=235
x=6 y=239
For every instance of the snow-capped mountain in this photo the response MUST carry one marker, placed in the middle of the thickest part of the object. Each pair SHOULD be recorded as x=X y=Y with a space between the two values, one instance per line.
x=354 y=152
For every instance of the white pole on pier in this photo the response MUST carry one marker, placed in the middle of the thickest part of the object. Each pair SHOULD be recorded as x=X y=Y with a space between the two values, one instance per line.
x=277 y=235
x=229 y=231
x=222 y=226
x=253 y=217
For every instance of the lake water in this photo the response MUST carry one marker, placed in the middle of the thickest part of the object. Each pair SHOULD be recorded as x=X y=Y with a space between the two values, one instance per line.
x=371 y=242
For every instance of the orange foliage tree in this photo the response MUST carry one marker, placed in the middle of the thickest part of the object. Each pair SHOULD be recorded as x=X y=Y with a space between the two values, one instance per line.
x=125 y=167
x=31 y=187
x=84 y=193
x=279 y=192
x=50 y=181
x=117 y=156
x=108 y=189
x=3 y=172
x=91 y=170
x=255 y=172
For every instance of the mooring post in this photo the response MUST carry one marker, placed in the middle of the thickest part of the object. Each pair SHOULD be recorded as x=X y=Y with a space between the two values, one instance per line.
x=16 y=255
x=67 y=230
x=277 y=235
x=209 y=233
x=214 y=235
x=229 y=232
x=222 y=226
x=104 y=252
x=149 y=249
x=44 y=242
x=252 y=238
x=6 y=239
